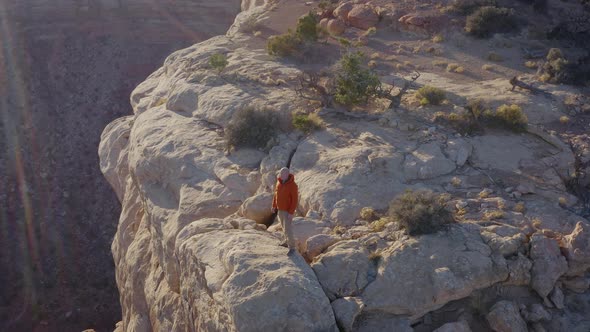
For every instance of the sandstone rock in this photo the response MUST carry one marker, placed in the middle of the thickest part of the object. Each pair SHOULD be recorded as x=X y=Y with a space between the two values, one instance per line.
x=459 y=151
x=336 y=27
x=535 y=313
x=258 y=208
x=113 y=152
x=363 y=17
x=342 y=11
x=417 y=275
x=303 y=229
x=230 y=275
x=316 y=244
x=183 y=99
x=427 y=162
x=343 y=270
x=548 y=264
x=504 y=317
x=422 y=22
x=576 y=247
x=346 y=310
x=460 y=326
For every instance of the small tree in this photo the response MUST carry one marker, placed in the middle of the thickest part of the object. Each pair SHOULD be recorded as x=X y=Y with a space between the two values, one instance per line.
x=218 y=62
x=488 y=20
x=307 y=28
x=355 y=83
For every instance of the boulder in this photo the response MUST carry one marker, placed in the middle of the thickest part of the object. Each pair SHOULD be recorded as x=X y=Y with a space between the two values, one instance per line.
x=343 y=270
x=460 y=326
x=576 y=284
x=576 y=247
x=342 y=11
x=548 y=264
x=363 y=16
x=316 y=244
x=419 y=274
x=427 y=162
x=230 y=275
x=535 y=313
x=336 y=27
x=346 y=310
x=258 y=208
x=505 y=246
x=519 y=271
x=324 y=23
x=303 y=229
x=556 y=296
x=505 y=317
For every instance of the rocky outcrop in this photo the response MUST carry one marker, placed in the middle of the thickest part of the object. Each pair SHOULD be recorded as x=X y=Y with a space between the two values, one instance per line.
x=505 y=317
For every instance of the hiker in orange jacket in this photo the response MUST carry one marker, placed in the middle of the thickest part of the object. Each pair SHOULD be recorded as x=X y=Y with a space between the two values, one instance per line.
x=285 y=203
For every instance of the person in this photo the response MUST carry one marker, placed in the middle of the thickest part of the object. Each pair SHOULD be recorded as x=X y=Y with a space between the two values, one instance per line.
x=284 y=204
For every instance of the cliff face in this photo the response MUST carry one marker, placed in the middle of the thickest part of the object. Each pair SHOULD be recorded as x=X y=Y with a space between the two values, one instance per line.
x=67 y=69
x=190 y=255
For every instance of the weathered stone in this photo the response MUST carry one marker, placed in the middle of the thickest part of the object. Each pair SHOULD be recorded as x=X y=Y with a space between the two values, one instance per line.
x=548 y=264
x=336 y=27
x=363 y=17
x=460 y=326
x=346 y=310
x=504 y=317
x=258 y=208
x=342 y=11
x=557 y=298
x=519 y=271
x=343 y=270
x=535 y=313
x=576 y=247
x=316 y=244
x=417 y=275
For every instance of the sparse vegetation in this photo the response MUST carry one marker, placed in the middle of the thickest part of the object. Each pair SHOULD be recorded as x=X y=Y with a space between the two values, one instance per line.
x=562 y=201
x=379 y=224
x=555 y=69
x=338 y=230
x=429 y=95
x=564 y=119
x=283 y=45
x=218 y=62
x=250 y=127
x=288 y=43
x=368 y=214
x=455 y=68
x=488 y=20
x=420 y=212
x=355 y=83
x=307 y=123
x=531 y=64
x=508 y=116
x=372 y=64
x=456 y=182
x=440 y=63
x=466 y=7
x=495 y=57
x=519 y=207
x=370 y=32
x=488 y=67
x=493 y=215
x=438 y=38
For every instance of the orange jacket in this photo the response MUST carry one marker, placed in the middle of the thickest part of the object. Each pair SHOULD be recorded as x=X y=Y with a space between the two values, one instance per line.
x=286 y=195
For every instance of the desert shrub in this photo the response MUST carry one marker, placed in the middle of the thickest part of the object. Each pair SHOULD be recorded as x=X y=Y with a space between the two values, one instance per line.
x=564 y=119
x=531 y=64
x=466 y=7
x=218 y=62
x=438 y=38
x=307 y=123
x=509 y=116
x=250 y=127
x=355 y=83
x=487 y=67
x=495 y=57
x=307 y=28
x=493 y=215
x=462 y=122
x=420 y=212
x=283 y=45
x=555 y=69
x=368 y=214
x=379 y=224
x=488 y=20
x=429 y=95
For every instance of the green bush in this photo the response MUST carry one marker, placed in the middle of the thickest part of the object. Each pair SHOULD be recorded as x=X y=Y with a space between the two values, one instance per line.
x=556 y=68
x=307 y=123
x=251 y=128
x=355 y=82
x=420 y=212
x=429 y=95
x=283 y=45
x=218 y=62
x=307 y=28
x=488 y=20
